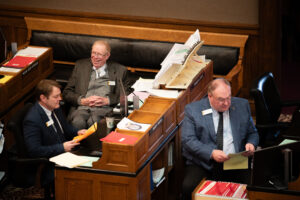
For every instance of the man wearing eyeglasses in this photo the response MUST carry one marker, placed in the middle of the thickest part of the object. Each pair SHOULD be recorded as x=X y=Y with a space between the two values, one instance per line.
x=93 y=88
x=214 y=127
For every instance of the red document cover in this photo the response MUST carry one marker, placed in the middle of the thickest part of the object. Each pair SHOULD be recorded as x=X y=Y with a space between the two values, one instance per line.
x=116 y=137
x=20 y=61
x=225 y=189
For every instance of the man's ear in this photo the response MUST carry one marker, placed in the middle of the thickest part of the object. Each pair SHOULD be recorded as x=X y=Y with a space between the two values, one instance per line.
x=43 y=98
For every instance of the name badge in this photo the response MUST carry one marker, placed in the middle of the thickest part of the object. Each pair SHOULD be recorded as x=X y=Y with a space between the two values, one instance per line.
x=49 y=123
x=207 y=111
x=111 y=82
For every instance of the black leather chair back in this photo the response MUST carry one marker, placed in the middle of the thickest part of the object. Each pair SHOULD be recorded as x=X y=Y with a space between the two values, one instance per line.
x=15 y=125
x=267 y=99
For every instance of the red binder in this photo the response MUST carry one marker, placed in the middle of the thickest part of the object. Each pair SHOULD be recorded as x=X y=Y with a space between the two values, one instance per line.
x=20 y=61
x=116 y=137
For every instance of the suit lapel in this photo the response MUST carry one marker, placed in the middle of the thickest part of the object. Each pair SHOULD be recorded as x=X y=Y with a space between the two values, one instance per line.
x=209 y=119
x=45 y=118
x=86 y=76
x=234 y=121
x=111 y=71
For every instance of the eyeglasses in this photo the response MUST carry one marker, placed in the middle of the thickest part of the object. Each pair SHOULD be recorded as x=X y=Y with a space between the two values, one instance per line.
x=96 y=54
x=223 y=100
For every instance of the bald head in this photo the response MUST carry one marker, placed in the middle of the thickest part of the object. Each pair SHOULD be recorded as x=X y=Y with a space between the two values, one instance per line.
x=219 y=94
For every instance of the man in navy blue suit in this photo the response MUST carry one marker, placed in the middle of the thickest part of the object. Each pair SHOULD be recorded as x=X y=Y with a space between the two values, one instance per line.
x=46 y=131
x=214 y=127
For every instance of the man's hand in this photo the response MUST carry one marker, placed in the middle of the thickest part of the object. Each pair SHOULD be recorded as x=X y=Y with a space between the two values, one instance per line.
x=69 y=145
x=81 y=132
x=101 y=101
x=94 y=101
x=219 y=156
x=249 y=149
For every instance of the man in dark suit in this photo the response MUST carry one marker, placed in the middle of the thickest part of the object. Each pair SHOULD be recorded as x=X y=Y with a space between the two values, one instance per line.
x=212 y=128
x=93 y=88
x=46 y=131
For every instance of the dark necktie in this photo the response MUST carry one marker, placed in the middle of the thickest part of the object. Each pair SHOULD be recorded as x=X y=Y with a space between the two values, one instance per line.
x=220 y=132
x=218 y=167
x=58 y=128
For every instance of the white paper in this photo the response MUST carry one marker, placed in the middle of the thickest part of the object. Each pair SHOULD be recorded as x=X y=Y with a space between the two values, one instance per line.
x=193 y=39
x=127 y=124
x=32 y=51
x=157 y=174
x=69 y=160
x=91 y=160
x=142 y=84
x=164 y=93
x=10 y=69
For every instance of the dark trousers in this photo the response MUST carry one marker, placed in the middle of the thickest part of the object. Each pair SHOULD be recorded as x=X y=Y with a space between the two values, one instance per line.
x=193 y=174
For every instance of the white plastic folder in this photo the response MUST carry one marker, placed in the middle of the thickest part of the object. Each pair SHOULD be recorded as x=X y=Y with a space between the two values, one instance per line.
x=69 y=160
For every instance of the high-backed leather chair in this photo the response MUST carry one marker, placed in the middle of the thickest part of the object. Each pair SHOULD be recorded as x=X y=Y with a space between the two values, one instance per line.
x=268 y=107
x=24 y=171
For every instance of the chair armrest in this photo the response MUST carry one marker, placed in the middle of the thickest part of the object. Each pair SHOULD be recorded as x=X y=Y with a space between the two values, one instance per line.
x=280 y=125
x=30 y=160
x=290 y=103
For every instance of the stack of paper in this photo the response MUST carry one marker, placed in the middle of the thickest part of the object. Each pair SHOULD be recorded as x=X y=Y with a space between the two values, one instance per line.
x=32 y=51
x=68 y=160
x=176 y=59
x=222 y=189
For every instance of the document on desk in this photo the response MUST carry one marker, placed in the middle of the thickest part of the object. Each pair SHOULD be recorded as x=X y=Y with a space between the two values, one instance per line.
x=69 y=160
x=164 y=93
x=32 y=51
x=9 y=69
x=236 y=161
x=90 y=162
x=142 y=85
x=194 y=39
x=127 y=124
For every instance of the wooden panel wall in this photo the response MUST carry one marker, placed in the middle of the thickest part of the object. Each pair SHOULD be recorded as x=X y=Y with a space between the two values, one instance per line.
x=261 y=53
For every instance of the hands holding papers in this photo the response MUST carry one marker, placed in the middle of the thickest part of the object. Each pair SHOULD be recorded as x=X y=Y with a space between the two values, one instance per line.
x=239 y=160
x=236 y=160
x=85 y=134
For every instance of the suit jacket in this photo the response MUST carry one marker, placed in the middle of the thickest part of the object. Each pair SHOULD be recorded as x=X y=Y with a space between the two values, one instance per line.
x=199 y=136
x=79 y=81
x=42 y=140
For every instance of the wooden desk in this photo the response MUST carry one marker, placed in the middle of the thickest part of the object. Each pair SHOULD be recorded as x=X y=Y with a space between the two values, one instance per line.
x=123 y=172
x=267 y=193
x=24 y=80
x=18 y=89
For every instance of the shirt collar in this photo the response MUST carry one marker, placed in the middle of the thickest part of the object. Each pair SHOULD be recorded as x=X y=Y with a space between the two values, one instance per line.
x=100 y=69
x=48 y=112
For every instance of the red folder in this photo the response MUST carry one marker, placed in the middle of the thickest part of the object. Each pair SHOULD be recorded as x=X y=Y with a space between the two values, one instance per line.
x=116 y=137
x=20 y=61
